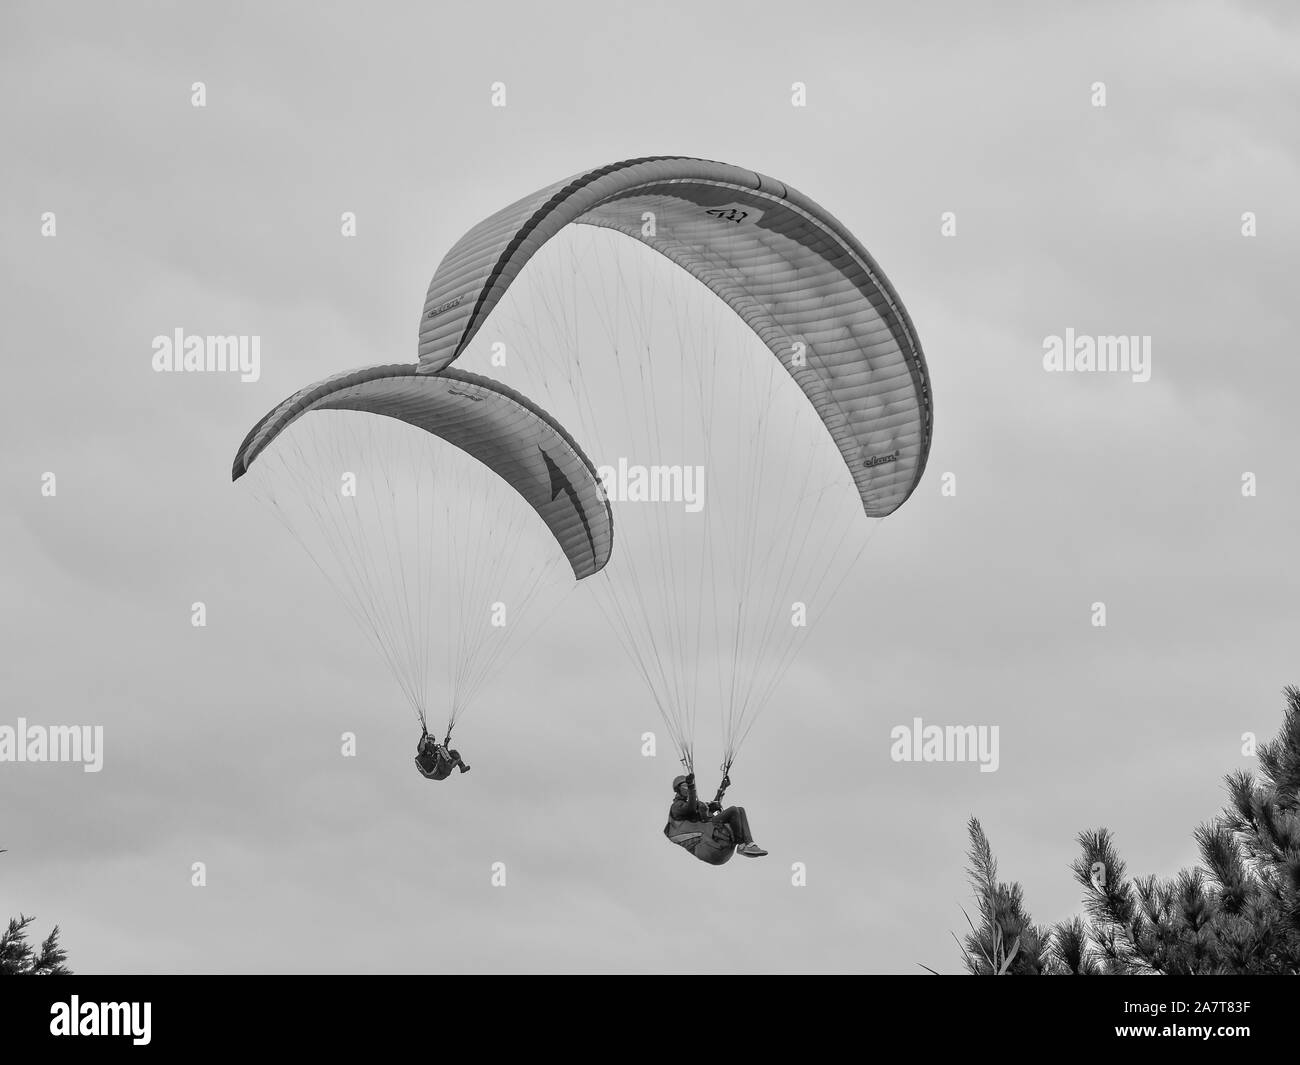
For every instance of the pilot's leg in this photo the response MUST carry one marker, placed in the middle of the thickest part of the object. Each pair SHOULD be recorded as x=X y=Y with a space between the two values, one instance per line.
x=735 y=819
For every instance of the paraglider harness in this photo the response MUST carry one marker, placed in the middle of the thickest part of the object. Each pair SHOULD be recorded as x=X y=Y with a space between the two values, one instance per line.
x=438 y=754
x=688 y=833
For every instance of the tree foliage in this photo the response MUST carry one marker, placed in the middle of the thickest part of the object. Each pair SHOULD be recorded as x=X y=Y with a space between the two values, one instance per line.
x=20 y=958
x=1238 y=912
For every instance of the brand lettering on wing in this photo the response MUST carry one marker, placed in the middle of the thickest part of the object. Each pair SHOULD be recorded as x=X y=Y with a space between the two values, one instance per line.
x=443 y=308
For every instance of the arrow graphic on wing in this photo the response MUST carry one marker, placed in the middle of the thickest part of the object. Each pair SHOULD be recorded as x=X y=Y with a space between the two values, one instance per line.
x=560 y=483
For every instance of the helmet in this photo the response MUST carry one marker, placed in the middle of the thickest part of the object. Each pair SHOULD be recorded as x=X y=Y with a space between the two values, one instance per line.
x=678 y=782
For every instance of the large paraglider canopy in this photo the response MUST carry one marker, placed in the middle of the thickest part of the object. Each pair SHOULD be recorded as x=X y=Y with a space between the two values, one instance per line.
x=411 y=492
x=796 y=276
x=646 y=359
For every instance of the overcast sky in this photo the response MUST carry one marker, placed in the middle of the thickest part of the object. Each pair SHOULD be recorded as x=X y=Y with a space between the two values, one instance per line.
x=222 y=742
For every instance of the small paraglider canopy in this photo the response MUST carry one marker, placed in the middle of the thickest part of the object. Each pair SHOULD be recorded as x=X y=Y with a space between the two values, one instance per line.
x=503 y=430
x=412 y=493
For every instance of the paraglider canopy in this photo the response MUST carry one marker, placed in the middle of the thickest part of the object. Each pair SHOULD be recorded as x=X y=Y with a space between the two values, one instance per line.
x=500 y=428
x=797 y=277
x=412 y=493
